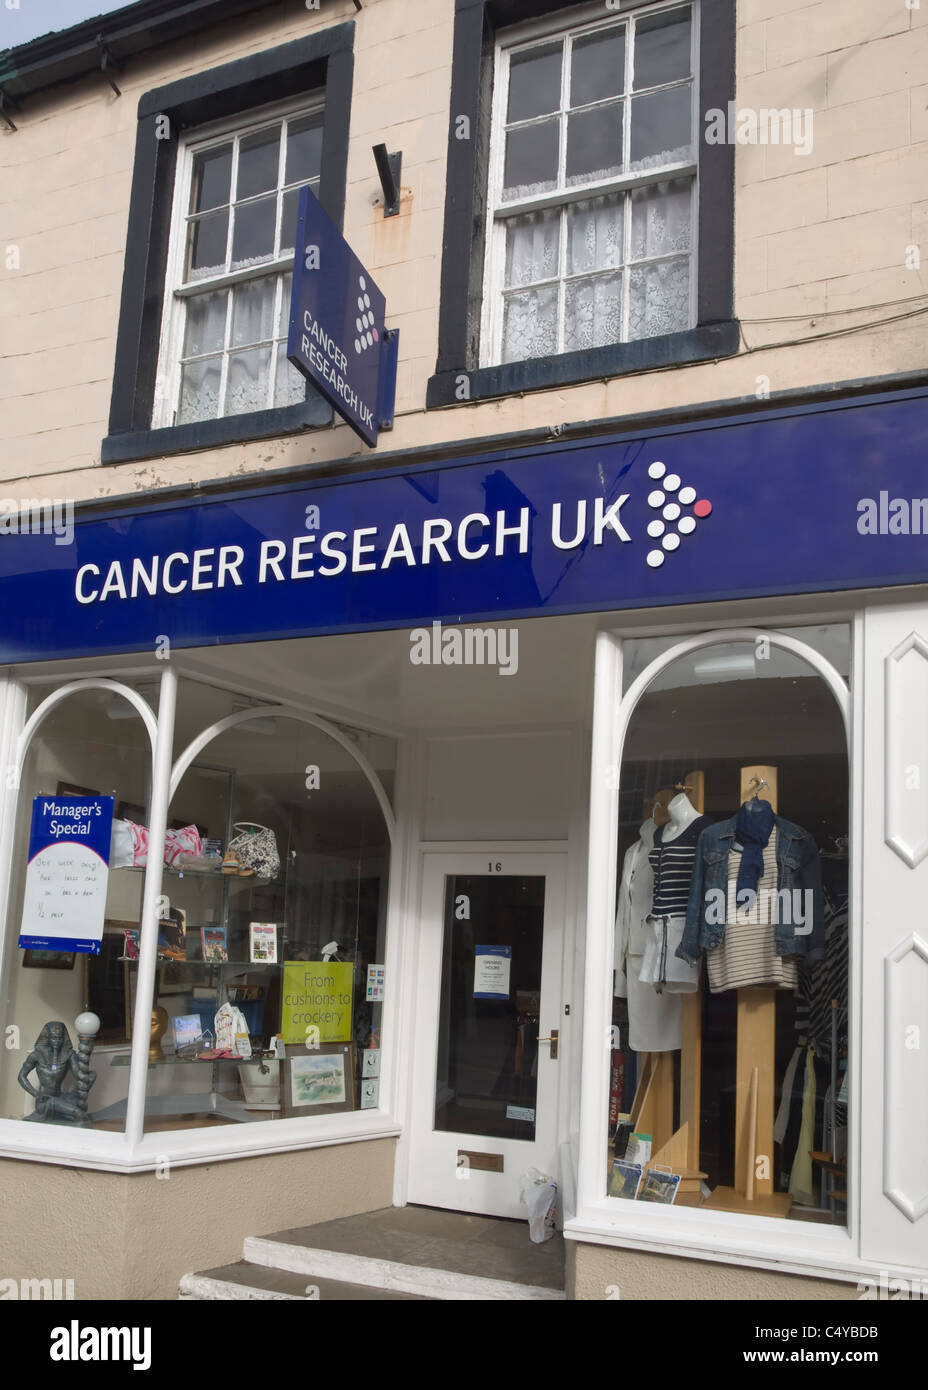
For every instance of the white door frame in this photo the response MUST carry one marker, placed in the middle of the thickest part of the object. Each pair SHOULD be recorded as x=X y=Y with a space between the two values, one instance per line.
x=531 y=857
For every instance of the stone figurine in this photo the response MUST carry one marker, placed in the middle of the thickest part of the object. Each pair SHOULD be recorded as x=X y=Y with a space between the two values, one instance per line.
x=54 y=1059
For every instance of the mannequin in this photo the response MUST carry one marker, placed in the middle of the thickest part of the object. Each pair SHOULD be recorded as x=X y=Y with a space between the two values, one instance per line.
x=682 y=813
x=653 y=1019
x=672 y=859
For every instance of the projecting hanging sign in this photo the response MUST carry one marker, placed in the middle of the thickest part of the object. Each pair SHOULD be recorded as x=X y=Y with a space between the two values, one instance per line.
x=69 y=856
x=337 y=333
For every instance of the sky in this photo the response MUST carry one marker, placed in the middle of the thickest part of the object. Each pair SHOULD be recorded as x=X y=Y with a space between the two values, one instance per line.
x=22 y=20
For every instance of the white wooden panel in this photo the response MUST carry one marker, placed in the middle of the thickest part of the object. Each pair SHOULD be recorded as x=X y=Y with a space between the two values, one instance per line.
x=891 y=1063
x=906 y=811
x=905 y=1172
x=499 y=786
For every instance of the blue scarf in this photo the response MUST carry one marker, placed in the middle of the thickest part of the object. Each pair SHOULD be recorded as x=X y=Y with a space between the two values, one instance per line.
x=752 y=831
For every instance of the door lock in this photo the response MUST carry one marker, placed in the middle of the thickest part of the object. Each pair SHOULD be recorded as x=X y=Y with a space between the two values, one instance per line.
x=555 y=1034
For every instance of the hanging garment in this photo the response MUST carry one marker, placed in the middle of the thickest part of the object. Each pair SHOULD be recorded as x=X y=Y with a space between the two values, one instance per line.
x=653 y=1019
x=826 y=980
x=661 y=968
x=799 y=872
x=672 y=865
x=747 y=953
x=786 y=1094
x=800 y=1181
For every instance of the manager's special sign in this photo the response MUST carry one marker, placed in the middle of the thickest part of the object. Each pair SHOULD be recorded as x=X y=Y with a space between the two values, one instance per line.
x=336 y=319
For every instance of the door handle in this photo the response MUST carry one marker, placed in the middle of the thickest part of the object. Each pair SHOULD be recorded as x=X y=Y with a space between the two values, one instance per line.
x=555 y=1034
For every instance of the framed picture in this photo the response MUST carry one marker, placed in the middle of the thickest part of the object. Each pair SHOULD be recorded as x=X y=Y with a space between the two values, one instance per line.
x=48 y=960
x=318 y=1080
x=69 y=789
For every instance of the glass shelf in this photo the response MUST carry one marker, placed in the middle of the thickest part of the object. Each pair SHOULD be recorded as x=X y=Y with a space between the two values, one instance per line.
x=216 y=874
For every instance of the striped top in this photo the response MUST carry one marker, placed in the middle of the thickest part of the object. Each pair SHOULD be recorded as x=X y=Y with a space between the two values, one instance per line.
x=673 y=866
x=747 y=954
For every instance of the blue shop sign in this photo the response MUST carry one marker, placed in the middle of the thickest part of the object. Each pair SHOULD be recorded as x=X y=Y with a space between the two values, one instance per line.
x=337 y=313
x=816 y=498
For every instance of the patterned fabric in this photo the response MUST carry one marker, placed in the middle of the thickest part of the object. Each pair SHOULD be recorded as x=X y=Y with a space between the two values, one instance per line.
x=747 y=954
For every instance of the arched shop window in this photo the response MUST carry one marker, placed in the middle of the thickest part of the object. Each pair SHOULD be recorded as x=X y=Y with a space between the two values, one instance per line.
x=83 y=744
x=268 y=946
x=271 y=921
x=730 y=1012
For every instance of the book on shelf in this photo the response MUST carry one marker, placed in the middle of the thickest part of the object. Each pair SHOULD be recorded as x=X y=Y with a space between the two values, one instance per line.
x=262 y=938
x=215 y=942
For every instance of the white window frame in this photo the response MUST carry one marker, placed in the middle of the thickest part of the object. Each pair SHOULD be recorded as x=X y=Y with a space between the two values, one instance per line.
x=763 y=1242
x=131 y=1149
x=523 y=37
x=176 y=292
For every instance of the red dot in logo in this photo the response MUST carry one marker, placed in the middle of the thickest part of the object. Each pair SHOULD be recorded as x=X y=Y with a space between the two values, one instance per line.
x=702 y=508
x=376 y=336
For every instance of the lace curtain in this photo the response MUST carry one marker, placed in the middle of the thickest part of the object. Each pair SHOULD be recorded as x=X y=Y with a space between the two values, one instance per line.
x=600 y=272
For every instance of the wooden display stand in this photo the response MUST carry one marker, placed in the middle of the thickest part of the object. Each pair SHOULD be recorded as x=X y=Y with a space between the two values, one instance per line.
x=754 y=1083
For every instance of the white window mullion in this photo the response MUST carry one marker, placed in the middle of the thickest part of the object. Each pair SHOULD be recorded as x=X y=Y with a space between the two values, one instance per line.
x=562 y=283
x=226 y=352
x=233 y=184
x=281 y=172
x=275 y=321
x=626 y=264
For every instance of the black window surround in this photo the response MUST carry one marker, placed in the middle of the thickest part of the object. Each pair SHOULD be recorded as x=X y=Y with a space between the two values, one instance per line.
x=716 y=334
x=322 y=60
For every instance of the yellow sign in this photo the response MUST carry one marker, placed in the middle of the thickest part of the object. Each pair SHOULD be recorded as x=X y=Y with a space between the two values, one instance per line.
x=317 y=994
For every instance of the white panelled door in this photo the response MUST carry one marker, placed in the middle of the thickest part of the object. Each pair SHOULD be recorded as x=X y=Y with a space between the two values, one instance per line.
x=489 y=1029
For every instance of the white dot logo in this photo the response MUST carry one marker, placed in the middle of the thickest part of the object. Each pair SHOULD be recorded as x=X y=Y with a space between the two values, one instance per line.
x=364 y=323
x=671 y=511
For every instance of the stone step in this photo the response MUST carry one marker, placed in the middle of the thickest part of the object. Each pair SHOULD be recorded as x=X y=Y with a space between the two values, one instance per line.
x=245 y=1281
x=420 y=1251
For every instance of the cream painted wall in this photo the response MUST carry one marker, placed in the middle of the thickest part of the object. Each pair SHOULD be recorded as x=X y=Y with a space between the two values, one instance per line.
x=819 y=238
x=601 y=1272
x=95 y=1228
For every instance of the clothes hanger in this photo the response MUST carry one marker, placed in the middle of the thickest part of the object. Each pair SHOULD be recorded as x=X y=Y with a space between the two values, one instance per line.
x=752 y=803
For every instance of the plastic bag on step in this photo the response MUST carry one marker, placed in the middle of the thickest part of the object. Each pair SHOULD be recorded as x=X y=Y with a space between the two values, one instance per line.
x=539 y=1193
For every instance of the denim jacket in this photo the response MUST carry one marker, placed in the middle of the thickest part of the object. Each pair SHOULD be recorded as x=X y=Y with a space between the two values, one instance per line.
x=799 y=870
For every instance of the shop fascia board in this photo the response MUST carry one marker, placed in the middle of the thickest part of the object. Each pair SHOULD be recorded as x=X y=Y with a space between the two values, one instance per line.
x=108 y=1152
x=824 y=1252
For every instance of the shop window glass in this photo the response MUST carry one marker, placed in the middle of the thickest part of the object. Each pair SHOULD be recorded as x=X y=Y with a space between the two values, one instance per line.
x=732 y=934
x=274 y=920
x=90 y=747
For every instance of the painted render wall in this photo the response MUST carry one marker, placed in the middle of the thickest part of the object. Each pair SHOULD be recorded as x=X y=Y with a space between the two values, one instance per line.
x=818 y=237
x=604 y=1273
x=53 y=1223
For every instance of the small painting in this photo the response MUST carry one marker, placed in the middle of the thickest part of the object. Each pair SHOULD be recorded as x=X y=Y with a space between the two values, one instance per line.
x=319 y=1080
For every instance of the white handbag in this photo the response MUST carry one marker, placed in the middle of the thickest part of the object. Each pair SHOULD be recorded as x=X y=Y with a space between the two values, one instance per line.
x=255 y=847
